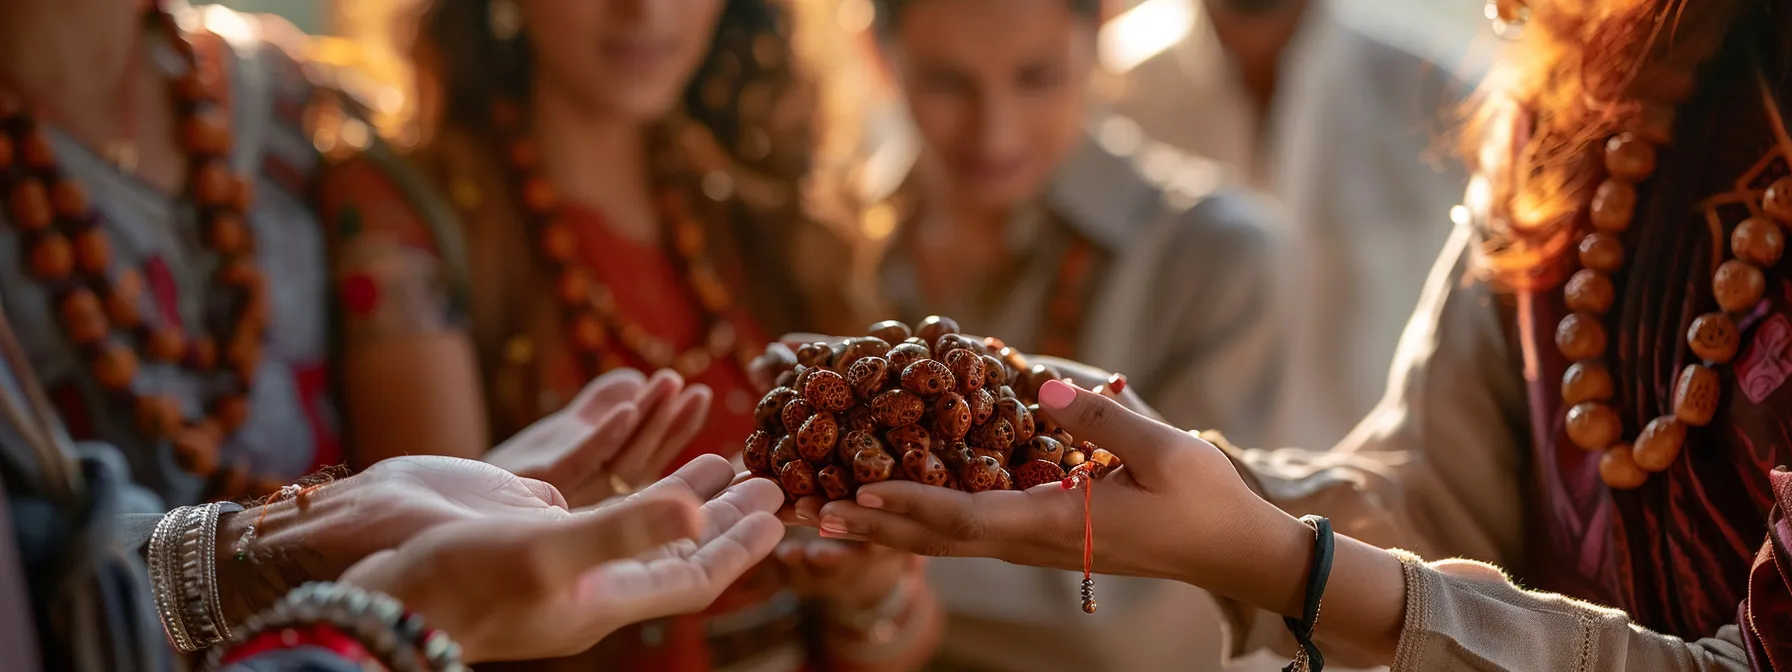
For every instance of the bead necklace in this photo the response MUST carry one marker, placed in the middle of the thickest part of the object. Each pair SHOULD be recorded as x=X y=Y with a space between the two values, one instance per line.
x=99 y=308
x=594 y=326
x=1629 y=158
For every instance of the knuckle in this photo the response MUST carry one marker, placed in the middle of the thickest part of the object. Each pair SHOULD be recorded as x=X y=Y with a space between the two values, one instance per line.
x=1095 y=415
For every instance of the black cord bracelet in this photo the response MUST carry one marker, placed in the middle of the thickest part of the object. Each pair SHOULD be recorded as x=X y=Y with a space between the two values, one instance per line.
x=1308 y=659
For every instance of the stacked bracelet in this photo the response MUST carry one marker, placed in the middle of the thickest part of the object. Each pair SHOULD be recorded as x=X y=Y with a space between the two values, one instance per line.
x=183 y=572
x=1308 y=658
x=377 y=625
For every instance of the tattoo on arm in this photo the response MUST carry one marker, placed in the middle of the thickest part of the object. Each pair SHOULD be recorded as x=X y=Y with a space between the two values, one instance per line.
x=389 y=289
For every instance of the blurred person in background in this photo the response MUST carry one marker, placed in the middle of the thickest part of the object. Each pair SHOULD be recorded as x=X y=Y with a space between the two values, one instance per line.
x=626 y=180
x=1015 y=223
x=1344 y=128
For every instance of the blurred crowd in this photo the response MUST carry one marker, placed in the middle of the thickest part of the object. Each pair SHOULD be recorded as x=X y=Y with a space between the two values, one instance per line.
x=432 y=337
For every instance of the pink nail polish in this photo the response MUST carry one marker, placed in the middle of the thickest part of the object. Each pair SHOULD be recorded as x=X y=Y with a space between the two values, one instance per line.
x=833 y=524
x=1056 y=395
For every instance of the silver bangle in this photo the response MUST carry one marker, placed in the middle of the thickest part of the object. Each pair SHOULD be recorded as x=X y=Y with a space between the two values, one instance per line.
x=183 y=564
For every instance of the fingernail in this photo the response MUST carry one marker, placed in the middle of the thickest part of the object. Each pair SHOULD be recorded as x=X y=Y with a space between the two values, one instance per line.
x=833 y=524
x=870 y=501
x=1055 y=394
x=843 y=536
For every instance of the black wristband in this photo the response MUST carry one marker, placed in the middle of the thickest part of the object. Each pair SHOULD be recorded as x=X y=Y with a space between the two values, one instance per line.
x=1308 y=659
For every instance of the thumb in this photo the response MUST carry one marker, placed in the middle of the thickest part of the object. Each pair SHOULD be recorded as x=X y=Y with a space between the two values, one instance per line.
x=604 y=392
x=1140 y=442
x=623 y=530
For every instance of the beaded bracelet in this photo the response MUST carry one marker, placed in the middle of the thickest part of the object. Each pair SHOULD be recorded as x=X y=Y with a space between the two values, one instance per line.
x=1308 y=658
x=343 y=617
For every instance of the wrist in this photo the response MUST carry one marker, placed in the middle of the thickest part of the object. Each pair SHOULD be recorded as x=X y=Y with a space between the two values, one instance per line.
x=1266 y=569
x=278 y=558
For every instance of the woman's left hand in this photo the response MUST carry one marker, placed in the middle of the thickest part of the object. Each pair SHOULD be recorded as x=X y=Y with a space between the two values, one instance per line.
x=846 y=576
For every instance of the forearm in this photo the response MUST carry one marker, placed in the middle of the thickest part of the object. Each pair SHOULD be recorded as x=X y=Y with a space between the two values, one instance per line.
x=419 y=395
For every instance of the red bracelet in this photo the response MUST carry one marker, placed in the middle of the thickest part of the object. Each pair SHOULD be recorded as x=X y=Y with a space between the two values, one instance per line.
x=321 y=635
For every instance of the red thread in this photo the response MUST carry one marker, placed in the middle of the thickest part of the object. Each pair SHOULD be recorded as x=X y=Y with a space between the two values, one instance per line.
x=1088 y=527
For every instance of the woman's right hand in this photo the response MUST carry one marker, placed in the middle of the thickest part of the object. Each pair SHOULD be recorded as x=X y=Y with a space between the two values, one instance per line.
x=623 y=429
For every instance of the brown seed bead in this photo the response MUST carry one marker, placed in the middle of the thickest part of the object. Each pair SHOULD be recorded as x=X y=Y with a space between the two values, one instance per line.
x=932 y=328
x=983 y=405
x=995 y=373
x=1019 y=417
x=1586 y=381
x=1758 y=241
x=227 y=234
x=873 y=466
x=1696 y=395
x=206 y=134
x=538 y=196
x=814 y=354
x=955 y=455
x=827 y=391
x=213 y=185
x=951 y=417
x=868 y=376
x=860 y=417
x=1656 y=123
x=1618 y=468
x=1589 y=291
x=1659 y=444
x=83 y=317
x=854 y=441
x=573 y=286
x=1035 y=473
x=924 y=467
x=798 y=478
x=836 y=483
x=157 y=415
x=1074 y=459
x=193 y=87
x=1613 y=206
x=950 y=343
x=1777 y=202
x=68 y=199
x=928 y=378
x=231 y=411
x=1602 y=252
x=786 y=379
x=784 y=452
x=1104 y=459
x=768 y=415
x=857 y=349
x=891 y=331
x=757 y=455
x=967 y=368
x=1043 y=448
x=244 y=357
x=795 y=414
x=115 y=366
x=1004 y=480
x=1629 y=158
x=524 y=155
x=996 y=435
x=29 y=205
x=1593 y=425
x=1738 y=285
x=165 y=344
x=35 y=150
x=904 y=355
x=980 y=474
x=1713 y=338
x=559 y=243
x=896 y=408
x=816 y=439
x=975 y=453
x=586 y=333
x=765 y=369
x=909 y=437
x=123 y=300
x=1034 y=378
x=1580 y=336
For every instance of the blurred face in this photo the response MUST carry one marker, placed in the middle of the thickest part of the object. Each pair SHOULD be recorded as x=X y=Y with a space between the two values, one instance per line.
x=996 y=88
x=630 y=57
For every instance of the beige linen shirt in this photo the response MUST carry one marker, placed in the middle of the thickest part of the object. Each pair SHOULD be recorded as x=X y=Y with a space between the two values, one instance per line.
x=1436 y=469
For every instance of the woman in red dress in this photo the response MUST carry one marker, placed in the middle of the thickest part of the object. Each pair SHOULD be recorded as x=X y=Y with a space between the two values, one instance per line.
x=625 y=175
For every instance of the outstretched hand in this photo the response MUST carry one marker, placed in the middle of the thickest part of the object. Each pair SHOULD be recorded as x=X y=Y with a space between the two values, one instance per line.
x=623 y=428
x=526 y=588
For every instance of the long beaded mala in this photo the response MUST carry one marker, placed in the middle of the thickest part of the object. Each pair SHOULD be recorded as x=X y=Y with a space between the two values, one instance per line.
x=99 y=308
x=1757 y=243
x=595 y=327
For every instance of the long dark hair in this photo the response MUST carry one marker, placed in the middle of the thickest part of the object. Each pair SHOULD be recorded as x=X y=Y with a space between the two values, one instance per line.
x=748 y=67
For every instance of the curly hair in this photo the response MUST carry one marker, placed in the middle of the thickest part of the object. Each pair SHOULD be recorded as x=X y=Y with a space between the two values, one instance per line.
x=1571 y=82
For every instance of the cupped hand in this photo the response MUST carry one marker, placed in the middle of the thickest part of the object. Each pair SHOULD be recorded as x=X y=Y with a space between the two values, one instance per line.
x=844 y=575
x=1175 y=509
x=624 y=428
x=554 y=584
